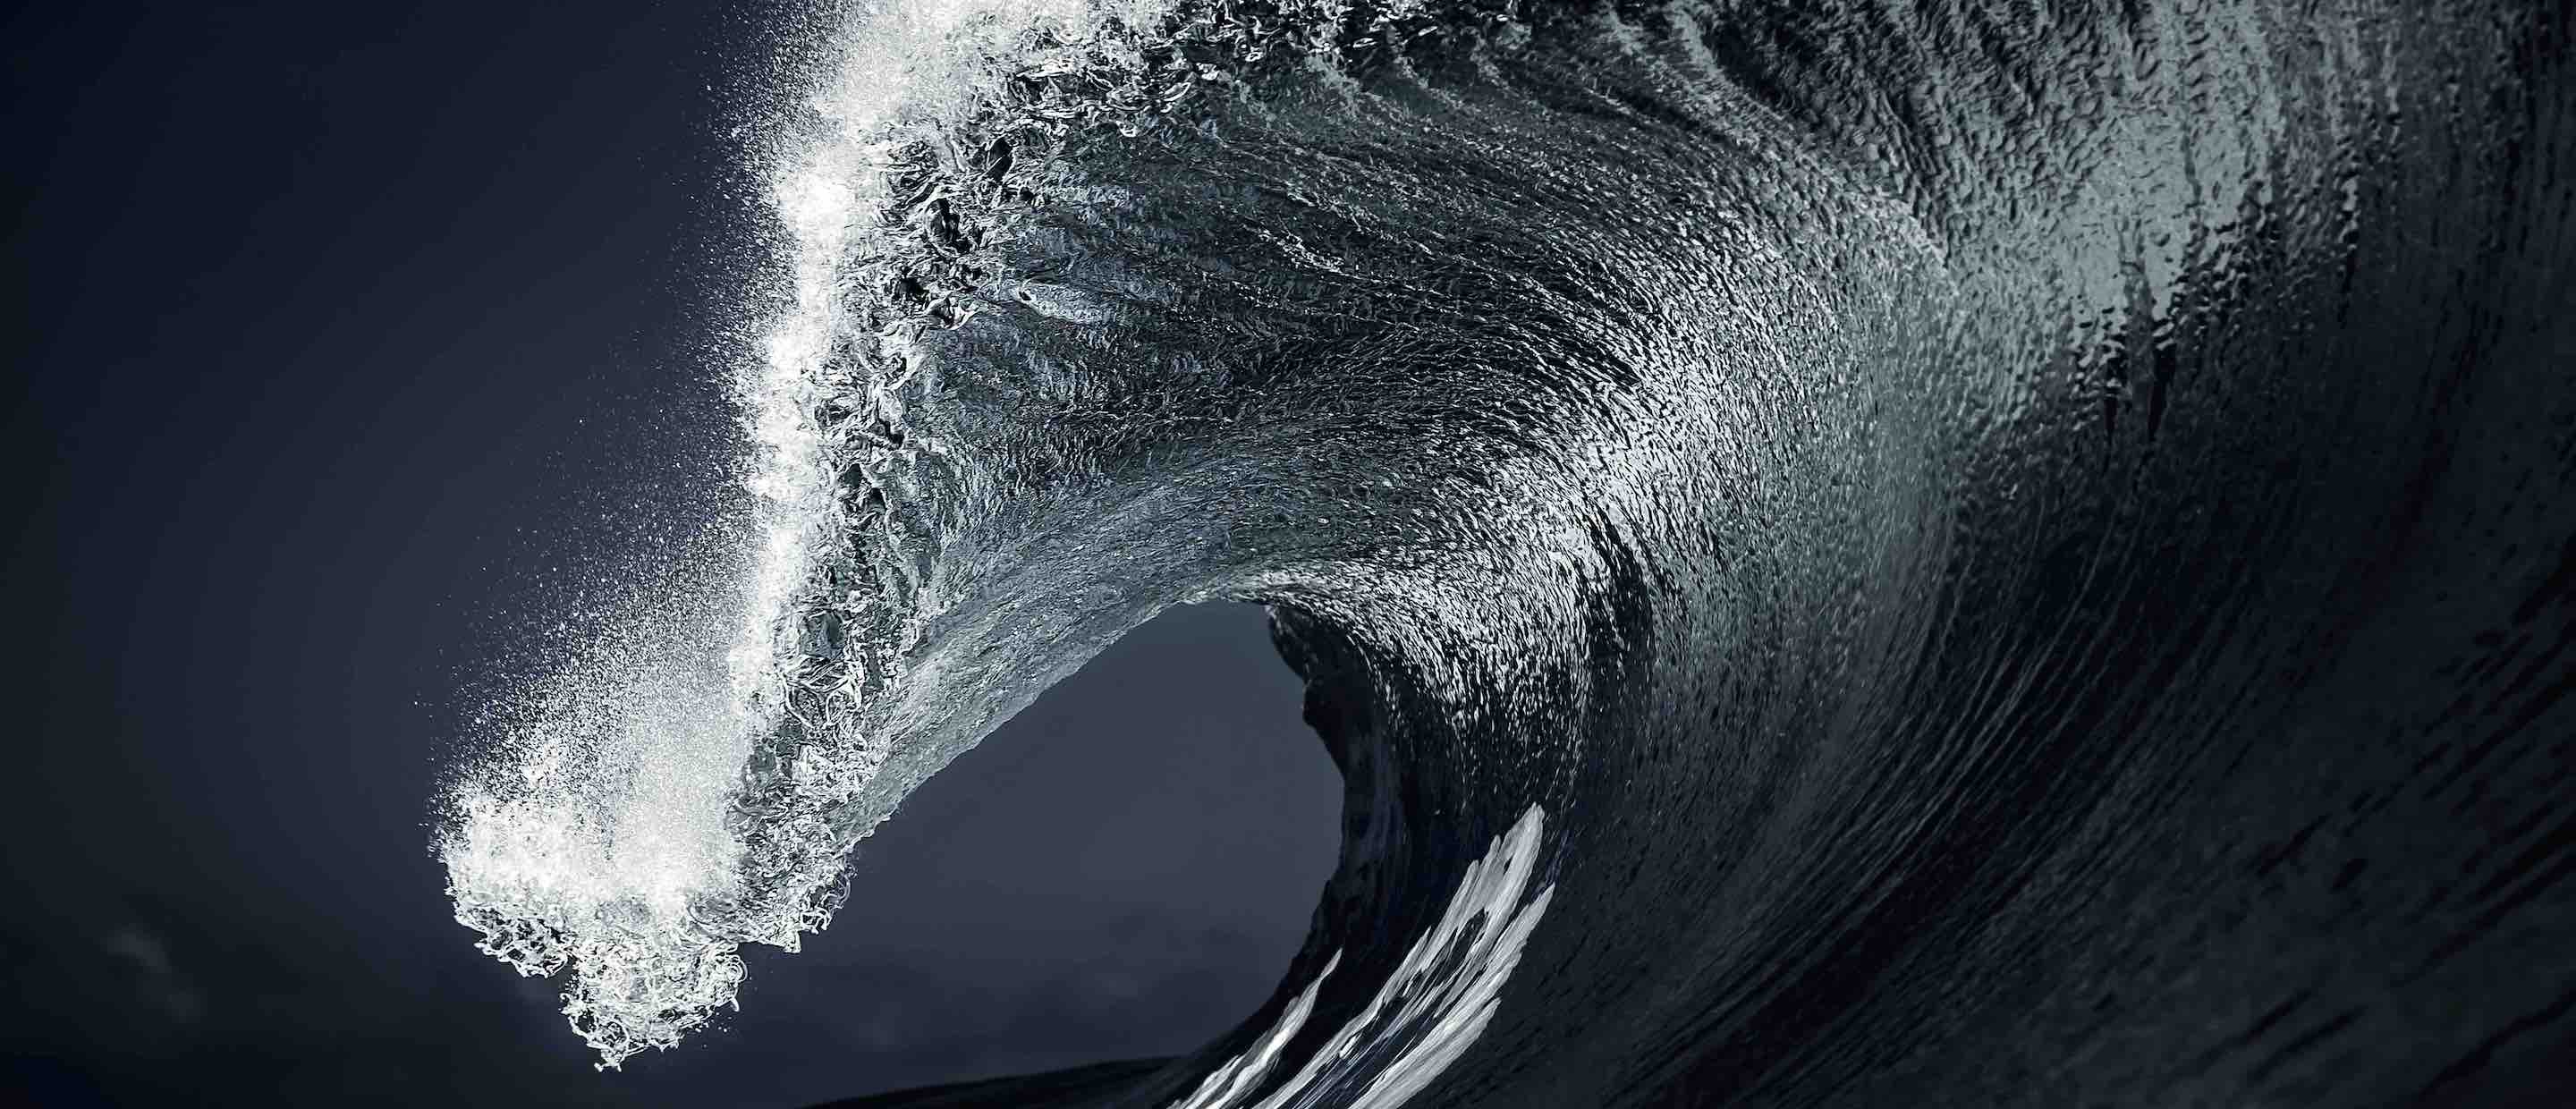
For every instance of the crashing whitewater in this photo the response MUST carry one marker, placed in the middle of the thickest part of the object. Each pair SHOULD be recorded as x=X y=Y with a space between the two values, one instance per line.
x=1865 y=553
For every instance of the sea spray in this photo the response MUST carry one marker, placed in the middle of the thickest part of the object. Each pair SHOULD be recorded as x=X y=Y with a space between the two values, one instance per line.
x=635 y=828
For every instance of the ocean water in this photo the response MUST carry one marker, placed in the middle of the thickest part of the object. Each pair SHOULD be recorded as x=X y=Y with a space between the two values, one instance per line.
x=1848 y=554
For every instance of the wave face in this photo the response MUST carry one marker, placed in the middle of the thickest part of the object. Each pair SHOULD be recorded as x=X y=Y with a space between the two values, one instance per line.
x=1848 y=554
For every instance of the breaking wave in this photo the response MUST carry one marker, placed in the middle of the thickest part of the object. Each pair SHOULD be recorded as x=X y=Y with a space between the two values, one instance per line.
x=1846 y=553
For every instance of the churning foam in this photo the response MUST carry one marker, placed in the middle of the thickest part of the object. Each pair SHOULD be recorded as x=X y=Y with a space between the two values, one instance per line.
x=604 y=830
x=688 y=784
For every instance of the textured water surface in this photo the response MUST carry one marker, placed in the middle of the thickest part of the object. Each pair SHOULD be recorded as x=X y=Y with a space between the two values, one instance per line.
x=1848 y=554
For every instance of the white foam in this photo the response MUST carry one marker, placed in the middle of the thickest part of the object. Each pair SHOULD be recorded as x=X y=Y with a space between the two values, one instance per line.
x=618 y=826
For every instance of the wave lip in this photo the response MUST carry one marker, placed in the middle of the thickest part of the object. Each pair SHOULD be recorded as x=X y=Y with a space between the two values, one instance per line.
x=601 y=835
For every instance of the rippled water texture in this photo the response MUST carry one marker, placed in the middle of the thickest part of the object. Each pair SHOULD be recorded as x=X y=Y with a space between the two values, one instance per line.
x=1848 y=554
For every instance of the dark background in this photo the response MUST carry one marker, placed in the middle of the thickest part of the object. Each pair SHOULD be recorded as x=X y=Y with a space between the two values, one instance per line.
x=352 y=344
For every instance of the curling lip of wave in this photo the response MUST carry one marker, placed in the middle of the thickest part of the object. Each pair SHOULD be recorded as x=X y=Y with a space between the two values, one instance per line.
x=635 y=827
